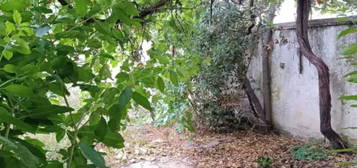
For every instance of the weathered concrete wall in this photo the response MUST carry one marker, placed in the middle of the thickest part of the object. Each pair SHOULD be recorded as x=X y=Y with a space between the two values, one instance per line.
x=295 y=91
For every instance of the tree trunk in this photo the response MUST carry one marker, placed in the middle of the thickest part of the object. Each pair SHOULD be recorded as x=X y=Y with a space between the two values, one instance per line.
x=262 y=126
x=302 y=20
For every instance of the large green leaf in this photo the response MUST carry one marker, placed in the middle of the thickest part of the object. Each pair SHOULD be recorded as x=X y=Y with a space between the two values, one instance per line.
x=8 y=5
x=142 y=100
x=26 y=157
x=10 y=68
x=19 y=90
x=8 y=143
x=101 y=129
x=113 y=139
x=6 y=117
x=95 y=157
x=124 y=98
x=22 y=46
x=81 y=7
x=84 y=74
x=122 y=76
x=129 y=8
x=47 y=110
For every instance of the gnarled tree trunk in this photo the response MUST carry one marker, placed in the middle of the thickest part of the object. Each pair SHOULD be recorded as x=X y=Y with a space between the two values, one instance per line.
x=302 y=20
x=262 y=111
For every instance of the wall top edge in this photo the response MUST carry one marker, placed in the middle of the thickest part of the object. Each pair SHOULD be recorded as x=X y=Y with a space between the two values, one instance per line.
x=316 y=23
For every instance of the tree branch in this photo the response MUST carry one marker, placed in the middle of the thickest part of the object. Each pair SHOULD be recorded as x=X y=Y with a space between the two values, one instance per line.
x=152 y=9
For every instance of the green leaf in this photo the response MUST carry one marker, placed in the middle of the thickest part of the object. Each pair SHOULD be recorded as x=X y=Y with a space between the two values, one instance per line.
x=9 y=27
x=81 y=7
x=17 y=17
x=7 y=54
x=114 y=139
x=129 y=8
x=22 y=46
x=174 y=78
x=6 y=117
x=101 y=129
x=351 y=49
x=351 y=73
x=160 y=84
x=8 y=5
x=8 y=143
x=41 y=111
x=353 y=97
x=122 y=76
x=25 y=155
x=142 y=100
x=60 y=135
x=347 y=31
x=95 y=157
x=10 y=68
x=19 y=90
x=163 y=59
x=124 y=98
x=84 y=74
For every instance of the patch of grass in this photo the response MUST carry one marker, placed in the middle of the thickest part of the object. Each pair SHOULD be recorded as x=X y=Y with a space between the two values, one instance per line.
x=308 y=153
x=265 y=162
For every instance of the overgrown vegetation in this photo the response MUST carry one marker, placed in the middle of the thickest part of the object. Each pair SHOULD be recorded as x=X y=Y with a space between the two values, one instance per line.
x=50 y=47
x=119 y=55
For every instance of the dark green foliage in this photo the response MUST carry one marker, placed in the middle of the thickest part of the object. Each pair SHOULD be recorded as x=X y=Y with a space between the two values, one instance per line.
x=222 y=41
x=47 y=49
x=308 y=153
x=265 y=162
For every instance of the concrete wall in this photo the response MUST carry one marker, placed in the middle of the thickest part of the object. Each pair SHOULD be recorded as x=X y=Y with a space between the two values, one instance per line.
x=295 y=99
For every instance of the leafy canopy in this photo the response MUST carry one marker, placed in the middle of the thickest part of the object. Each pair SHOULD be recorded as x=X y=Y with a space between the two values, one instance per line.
x=51 y=47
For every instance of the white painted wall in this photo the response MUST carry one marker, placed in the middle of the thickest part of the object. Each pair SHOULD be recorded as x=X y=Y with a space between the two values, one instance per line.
x=295 y=96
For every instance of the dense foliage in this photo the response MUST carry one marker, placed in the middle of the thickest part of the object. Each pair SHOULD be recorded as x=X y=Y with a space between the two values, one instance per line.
x=50 y=47
x=97 y=47
x=222 y=42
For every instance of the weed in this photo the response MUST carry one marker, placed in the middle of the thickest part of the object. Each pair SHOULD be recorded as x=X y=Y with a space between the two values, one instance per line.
x=265 y=162
x=308 y=153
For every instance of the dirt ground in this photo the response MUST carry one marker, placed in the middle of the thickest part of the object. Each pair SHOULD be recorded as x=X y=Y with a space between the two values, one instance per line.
x=151 y=147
